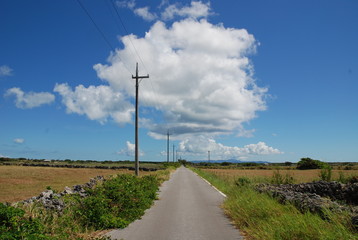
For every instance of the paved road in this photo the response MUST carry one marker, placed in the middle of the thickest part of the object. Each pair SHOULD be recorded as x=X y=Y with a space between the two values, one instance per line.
x=187 y=209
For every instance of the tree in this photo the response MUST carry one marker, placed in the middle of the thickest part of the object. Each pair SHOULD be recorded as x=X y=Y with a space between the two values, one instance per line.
x=308 y=163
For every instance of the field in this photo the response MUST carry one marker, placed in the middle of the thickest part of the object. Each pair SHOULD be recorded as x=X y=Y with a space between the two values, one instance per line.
x=260 y=175
x=19 y=183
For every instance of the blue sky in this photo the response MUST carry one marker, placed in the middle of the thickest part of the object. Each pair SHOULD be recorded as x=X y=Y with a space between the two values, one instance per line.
x=250 y=80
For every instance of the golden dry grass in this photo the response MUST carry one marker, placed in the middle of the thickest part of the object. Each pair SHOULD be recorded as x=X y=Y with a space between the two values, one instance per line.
x=298 y=175
x=19 y=183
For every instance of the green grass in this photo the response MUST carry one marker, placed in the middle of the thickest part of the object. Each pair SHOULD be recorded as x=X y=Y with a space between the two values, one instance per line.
x=262 y=217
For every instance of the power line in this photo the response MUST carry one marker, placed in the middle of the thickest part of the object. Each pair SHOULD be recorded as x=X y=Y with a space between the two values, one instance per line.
x=155 y=98
x=97 y=27
x=101 y=32
x=125 y=29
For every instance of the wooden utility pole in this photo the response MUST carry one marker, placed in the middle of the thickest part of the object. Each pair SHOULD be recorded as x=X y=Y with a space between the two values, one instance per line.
x=173 y=152
x=168 y=145
x=136 y=77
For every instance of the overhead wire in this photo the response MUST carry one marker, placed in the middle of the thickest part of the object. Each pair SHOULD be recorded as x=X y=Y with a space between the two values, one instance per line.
x=139 y=57
x=100 y=32
x=136 y=54
x=130 y=39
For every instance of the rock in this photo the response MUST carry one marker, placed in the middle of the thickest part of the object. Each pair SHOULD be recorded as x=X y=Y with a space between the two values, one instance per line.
x=46 y=194
x=67 y=191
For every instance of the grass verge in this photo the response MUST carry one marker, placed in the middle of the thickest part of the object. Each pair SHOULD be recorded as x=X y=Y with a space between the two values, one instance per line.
x=262 y=217
x=113 y=204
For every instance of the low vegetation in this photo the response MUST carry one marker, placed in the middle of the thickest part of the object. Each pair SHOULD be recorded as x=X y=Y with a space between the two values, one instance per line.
x=114 y=203
x=260 y=216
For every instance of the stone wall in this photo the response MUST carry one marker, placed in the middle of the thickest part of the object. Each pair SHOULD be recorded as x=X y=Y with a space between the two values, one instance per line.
x=54 y=201
x=317 y=197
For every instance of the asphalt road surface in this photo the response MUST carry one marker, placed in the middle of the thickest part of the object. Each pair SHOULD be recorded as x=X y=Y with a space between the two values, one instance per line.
x=188 y=209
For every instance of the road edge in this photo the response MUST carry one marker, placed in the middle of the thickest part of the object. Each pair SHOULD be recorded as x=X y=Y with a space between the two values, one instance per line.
x=223 y=194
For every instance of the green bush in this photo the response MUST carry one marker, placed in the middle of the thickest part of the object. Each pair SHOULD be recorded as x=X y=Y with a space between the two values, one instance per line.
x=242 y=181
x=326 y=173
x=278 y=178
x=118 y=201
x=14 y=225
x=308 y=163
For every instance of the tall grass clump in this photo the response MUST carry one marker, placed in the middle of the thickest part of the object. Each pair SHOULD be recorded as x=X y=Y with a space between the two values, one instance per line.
x=278 y=178
x=326 y=173
x=262 y=217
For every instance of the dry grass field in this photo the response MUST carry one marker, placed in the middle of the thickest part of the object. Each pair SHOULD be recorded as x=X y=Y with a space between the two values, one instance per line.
x=260 y=174
x=19 y=183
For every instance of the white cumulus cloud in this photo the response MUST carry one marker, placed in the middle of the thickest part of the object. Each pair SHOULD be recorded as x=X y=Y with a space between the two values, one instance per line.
x=130 y=150
x=31 y=99
x=145 y=13
x=5 y=71
x=19 y=140
x=200 y=145
x=196 y=10
x=96 y=102
x=201 y=84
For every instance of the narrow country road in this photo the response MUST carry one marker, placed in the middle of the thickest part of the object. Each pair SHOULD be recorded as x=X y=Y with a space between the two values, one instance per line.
x=188 y=209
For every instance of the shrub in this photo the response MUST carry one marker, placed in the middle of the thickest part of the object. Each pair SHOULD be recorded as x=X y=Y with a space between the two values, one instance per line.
x=353 y=179
x=242 y=181
x=308 y=163
x=326 y=173
x=225 y=164
x=13 y=225
x=278 y=178
x=118 y=201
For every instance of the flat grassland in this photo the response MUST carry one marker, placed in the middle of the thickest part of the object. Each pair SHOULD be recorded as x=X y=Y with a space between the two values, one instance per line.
x=260 y=175
x=19 y=182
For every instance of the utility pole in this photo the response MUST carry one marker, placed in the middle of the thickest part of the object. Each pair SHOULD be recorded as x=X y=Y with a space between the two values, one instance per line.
x=168 y=145
x=173 y=151
x=208 y=156
x=136 y=77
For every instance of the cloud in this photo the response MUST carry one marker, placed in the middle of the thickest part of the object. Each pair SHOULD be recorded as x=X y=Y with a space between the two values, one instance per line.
x=200 y=145
x=196 y=10
x=199 y=84
x=145 y=14
x=246 y=133
x=30 y=100
x=19 y=140
x=130 y=150
x=96 y=102
x=126 y=4
x=5 y=71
